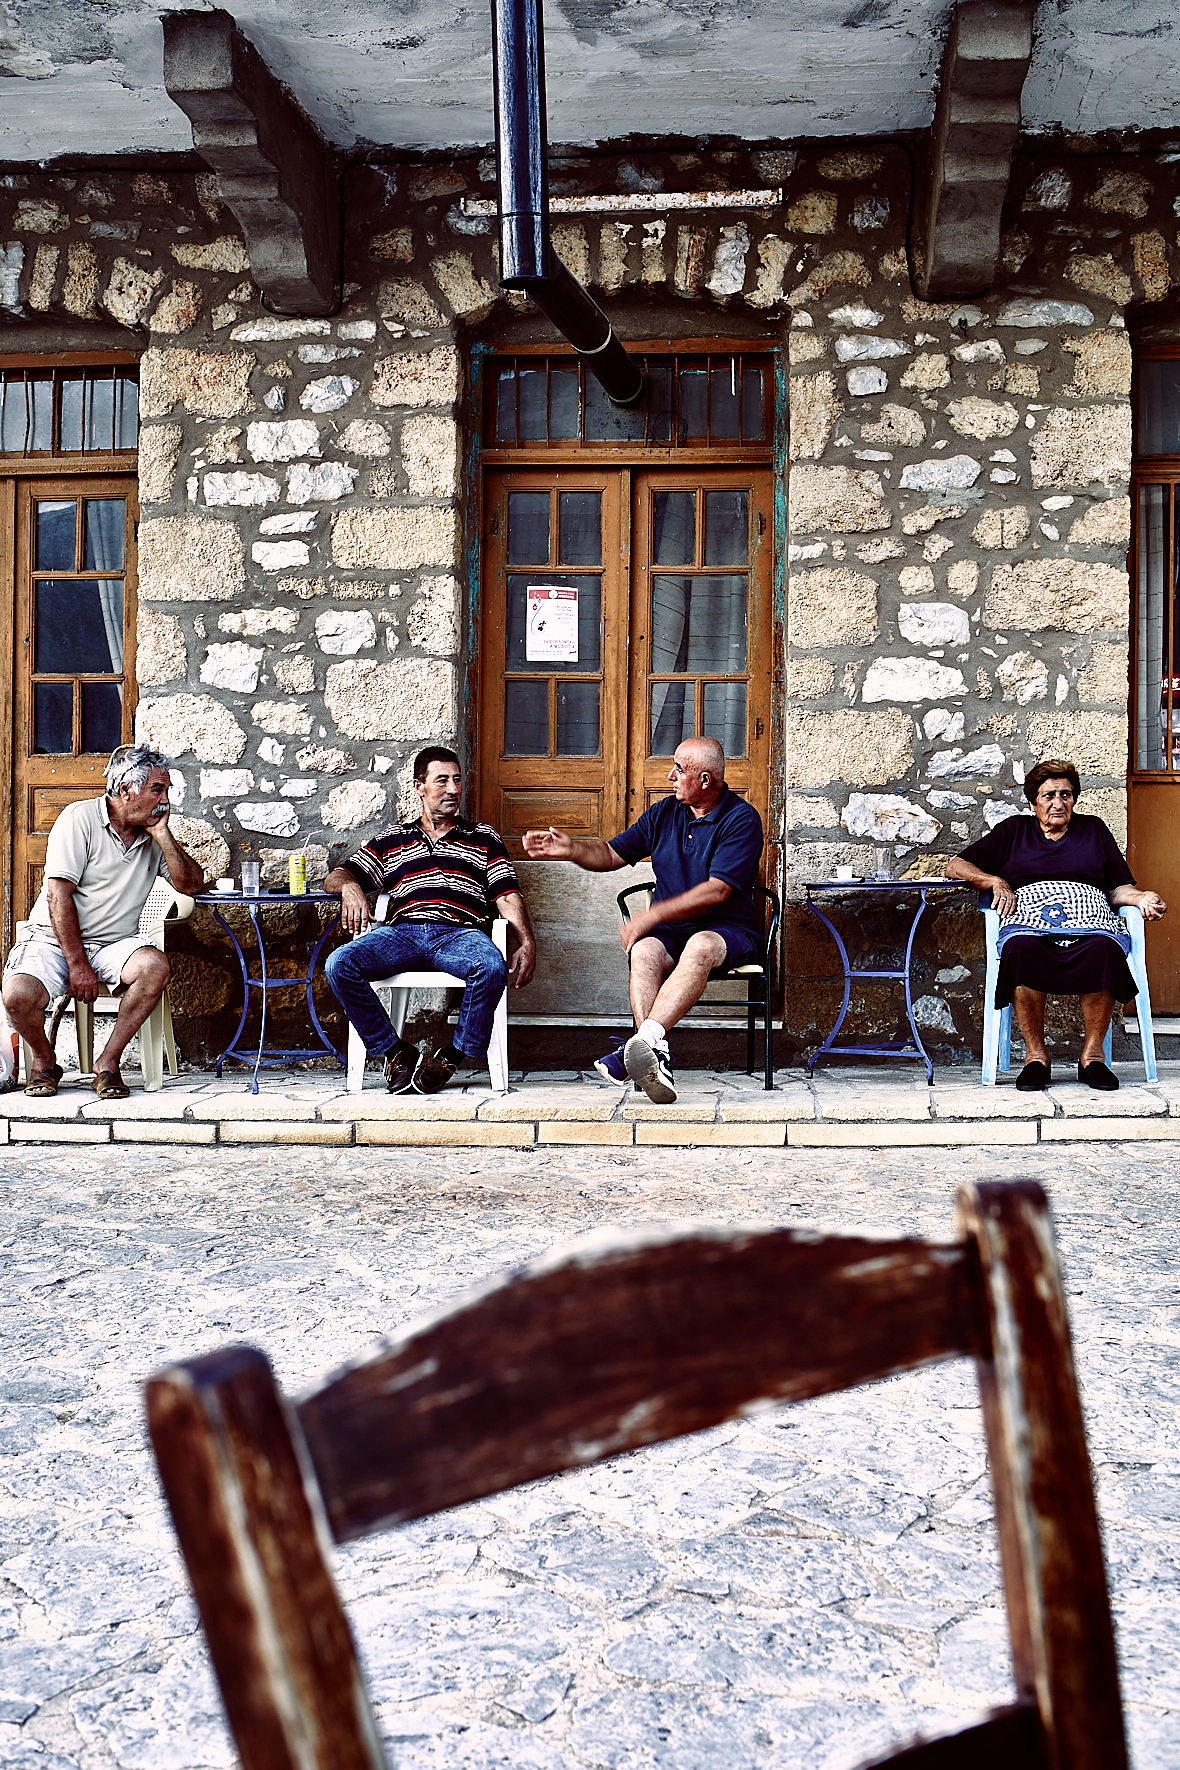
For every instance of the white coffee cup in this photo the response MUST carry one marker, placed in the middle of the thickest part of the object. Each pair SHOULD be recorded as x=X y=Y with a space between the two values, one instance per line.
x=844 y=873
x=225 y=885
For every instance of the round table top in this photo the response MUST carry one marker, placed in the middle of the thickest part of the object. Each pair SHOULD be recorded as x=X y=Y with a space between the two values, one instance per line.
x=874 y=884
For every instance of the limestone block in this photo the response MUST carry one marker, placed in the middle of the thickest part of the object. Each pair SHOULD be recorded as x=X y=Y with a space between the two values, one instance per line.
x=861 y=383
x=1096 y=743
x=328 y=394
x=835 y=498
x=837 y=267
x=1033 y=315
x=364 y=436
x=206 y=845
x=911 y=679
x=962 y=577
x=275 y=863
x=470 y=298
x=160 y=654
x=282 y=440
x=1052 y=190
x=809 y=813
x=851 y=164
x=955 y=765
x=343 y=632
x=418 y=378
x=1099 y=276
x=279 y=556
x=1015 y=246
x=354 y=803
x=245 y=489
x=295 y=676
x=940 y=722
x=207 y=383
x=728 y=274
x=865 y=749
x=1083 y=445
x=252 y=623
x=190 y=559
x=922 y=520
x=433 y=621
x=888 y=817
x=430 y=455
x=688 y=274
x=412 y=699
x=1104 y=678
x=276 y=331
x=269 y=817
x=982 y=418
x=865 y=348
x=40 y=215
x=393 y=540
x=809 y=679
x=232 y=666
x=226 y=254
x=1002 y=528
x=573 y=248
x=322 y=484
x=222 y=444
x=179 y=309
x=979 y=350
x=129 y=290
x=1120 y=193
x=43 y=277
x=1041 y=594
x=175 y=724
x=1103 y=362
x=943 y=473
x=774 y=256
x=815 y=409
x=159 y=451
x=1110 y=804
x=406 y=307
x=397 y=244
x=322 y=761
x=928 y=372
x=832 y=607
x=916 y=580
x=79 y=296
x=898 y=427
x=933 y=623
x=1150 y=255
x=814 y=213
x=1023 y=380
x=1023 y=677
x=281 y=718
x=807 y=347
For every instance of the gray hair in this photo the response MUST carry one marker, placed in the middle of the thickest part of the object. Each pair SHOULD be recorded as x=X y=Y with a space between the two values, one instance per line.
x=130 y=766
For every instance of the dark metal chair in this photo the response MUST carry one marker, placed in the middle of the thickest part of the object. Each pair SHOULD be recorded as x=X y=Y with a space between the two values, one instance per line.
x=757 y=976
x=608 y=1345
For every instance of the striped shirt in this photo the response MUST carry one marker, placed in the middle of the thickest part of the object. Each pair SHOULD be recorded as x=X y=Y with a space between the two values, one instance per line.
x=455 y=879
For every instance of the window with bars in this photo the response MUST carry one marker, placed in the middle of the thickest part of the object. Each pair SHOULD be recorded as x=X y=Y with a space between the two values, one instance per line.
x=48 y=413
x=1156 y=554
x=723 y=400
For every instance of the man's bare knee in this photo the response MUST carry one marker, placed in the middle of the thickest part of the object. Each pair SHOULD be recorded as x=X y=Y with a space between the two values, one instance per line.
x=27 y=995
x=148 y=967
x=704 y=951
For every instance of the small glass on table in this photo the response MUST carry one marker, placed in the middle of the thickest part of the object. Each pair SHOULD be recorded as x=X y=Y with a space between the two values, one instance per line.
x=251 y=877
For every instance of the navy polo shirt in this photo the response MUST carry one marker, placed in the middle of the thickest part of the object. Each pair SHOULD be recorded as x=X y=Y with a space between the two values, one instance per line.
x=685 y=851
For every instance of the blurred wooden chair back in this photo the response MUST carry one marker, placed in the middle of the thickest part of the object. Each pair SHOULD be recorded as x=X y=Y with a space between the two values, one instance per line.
x=617 y=1341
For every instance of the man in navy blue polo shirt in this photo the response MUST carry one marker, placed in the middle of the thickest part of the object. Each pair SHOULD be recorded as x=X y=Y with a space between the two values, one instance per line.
x=704 y=844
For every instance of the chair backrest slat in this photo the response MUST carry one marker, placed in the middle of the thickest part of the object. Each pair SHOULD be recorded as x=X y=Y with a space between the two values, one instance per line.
x=619 y=1343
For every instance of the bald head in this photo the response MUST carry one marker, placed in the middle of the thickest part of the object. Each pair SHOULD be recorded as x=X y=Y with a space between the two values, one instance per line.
x=705 y=754
x=698 y=774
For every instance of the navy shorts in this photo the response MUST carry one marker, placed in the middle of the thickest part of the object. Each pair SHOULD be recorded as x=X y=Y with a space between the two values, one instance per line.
x=741 y=946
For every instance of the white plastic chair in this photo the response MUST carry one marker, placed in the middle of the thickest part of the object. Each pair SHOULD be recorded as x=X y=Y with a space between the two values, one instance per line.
x=997 y=1022
x=399 y=987
x=163 y=904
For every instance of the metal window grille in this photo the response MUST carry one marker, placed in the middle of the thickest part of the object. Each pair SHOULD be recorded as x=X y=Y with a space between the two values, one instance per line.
x=69 y=411
x=697 y=401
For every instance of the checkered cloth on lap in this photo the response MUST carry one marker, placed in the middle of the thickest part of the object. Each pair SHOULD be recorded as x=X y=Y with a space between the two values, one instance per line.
x=1063 y=910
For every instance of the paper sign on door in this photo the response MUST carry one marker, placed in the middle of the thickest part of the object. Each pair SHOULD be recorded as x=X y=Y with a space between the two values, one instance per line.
x=551 y=631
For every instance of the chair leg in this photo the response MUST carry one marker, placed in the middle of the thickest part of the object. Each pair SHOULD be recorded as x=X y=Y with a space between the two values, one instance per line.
x=27 y=1056
x=355 y=1079
x=1006 y=1038
x=751 y=1012
x=151 y=1050
x=84 y=1032
x=1146 y=1032
x=498 y=1047
x=169 y=1037
x=767 y=1037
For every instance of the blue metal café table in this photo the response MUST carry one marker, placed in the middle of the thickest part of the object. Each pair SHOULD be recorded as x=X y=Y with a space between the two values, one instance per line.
x=272 y=1057
x=919 y=890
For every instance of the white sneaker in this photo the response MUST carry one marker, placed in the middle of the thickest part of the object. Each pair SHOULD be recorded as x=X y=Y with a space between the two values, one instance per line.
x=650 y=1067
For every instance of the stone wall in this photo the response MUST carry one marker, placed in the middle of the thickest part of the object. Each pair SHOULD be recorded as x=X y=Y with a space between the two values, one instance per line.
x=957 y=598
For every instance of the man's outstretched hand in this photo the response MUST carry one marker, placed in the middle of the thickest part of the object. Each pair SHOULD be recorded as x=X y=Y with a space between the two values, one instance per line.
x=547 y=844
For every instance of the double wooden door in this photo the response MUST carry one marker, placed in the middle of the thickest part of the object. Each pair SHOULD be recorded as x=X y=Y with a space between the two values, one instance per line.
x=72 y=683
x=623 y=611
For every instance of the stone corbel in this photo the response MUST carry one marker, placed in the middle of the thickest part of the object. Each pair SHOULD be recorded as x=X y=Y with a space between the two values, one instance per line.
x=955 y=238
x=274 y=170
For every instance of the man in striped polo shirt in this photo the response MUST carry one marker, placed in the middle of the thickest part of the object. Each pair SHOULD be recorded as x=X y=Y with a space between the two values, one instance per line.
x=447 y=879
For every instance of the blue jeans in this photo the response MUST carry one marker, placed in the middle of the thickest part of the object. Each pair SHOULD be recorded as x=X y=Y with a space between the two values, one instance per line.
x=418 y=946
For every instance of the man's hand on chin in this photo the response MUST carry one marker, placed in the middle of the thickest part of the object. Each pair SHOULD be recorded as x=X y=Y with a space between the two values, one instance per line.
x=158 y=822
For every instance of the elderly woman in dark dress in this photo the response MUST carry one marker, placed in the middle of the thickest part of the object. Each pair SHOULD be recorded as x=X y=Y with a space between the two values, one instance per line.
x=1053 y=878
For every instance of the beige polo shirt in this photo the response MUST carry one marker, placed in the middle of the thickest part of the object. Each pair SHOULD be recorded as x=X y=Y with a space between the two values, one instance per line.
x=112 y=882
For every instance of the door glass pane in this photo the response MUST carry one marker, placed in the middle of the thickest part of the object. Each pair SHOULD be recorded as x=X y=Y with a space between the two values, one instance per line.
x=724 y=396
x=589 y=625
x=26 y=418
x=607 y=423
x=531 y=395
x=526 y=719
x=103 y=544
x=55 y=537
x=577 y=719
x=506 y=406
x=673 y=716
x=1157 y=429
x=579 y=522
x=563 y=404
x=674 y=528
x=699 y=624
x=102 y=717
x=528 y=528
x=79 y=626
x=53 y=718
x=126 y=413
x=725 y=715
x=694 y=402
x=1152 y=697
x=753 y=421
x=727 y=528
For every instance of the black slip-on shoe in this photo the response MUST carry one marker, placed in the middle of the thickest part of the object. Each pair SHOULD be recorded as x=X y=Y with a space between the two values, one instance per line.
x=433 y=1074
x=1033 y=1077
x=1096 y=1075
x=400 y=1065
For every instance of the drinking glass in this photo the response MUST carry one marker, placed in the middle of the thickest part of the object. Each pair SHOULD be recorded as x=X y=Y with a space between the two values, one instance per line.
x=251 y=877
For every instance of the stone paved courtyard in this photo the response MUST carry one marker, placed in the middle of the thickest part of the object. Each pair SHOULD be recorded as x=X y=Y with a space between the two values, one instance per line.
x=800 y=1589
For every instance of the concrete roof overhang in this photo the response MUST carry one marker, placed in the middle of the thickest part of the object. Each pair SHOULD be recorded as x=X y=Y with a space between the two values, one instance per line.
x=85 y=79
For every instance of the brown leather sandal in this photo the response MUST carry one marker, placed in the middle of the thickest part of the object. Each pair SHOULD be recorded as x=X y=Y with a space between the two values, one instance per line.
x=43 y=1083
x=108 y=1084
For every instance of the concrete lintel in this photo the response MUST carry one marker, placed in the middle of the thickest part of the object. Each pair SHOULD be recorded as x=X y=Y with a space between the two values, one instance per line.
x=274 y=170
x=955 y=240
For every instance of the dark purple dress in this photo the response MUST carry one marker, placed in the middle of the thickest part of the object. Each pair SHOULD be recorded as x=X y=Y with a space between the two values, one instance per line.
x=1017 y=850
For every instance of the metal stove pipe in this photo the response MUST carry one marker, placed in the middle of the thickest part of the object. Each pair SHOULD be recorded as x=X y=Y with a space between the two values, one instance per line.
x=527 y=260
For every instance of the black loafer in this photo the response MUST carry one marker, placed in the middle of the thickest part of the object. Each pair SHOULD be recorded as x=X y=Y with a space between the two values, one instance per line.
x=399 y=1068
x=1096 y=1075
x=1033 y=1077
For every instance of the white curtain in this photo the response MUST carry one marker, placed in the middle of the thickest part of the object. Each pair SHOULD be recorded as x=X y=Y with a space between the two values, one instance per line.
x=105 y=528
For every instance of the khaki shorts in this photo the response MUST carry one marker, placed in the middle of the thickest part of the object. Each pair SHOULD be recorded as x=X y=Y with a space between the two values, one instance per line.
x=45 y=961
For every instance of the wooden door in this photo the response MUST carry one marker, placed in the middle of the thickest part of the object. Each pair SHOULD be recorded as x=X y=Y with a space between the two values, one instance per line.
x=73 y=664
